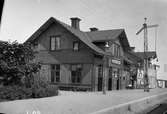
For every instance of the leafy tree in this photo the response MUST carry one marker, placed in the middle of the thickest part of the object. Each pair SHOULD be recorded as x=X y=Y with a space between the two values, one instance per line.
x=16 y=63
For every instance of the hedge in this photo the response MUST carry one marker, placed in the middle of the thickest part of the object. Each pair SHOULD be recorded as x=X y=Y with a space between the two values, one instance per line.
x=19 y=92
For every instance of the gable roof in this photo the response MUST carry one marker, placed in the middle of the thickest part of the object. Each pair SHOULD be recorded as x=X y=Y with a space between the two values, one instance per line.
x=149 y=54
x=81 y=35
x=106 y=35
x=87 y=37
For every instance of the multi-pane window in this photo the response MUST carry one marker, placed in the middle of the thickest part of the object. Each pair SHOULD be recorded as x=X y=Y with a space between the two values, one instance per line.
x=115 y=73
x=76 y=73
x=55 y=43
x=75 y=46
x=118 y=51
x=115 y=50
x=55 y=73
x=100 y=71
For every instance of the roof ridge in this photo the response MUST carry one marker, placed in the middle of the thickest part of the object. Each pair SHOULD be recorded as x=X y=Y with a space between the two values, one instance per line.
x=104 y=30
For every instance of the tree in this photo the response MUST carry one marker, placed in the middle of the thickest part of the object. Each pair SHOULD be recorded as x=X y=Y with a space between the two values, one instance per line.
x=16 y=63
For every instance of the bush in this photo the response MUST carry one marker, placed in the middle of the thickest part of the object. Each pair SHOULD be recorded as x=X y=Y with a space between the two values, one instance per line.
x=14 y=93
x=16 y=62
x=38 y=90
x=52 y=90
x=42 y=88
x=47 y=91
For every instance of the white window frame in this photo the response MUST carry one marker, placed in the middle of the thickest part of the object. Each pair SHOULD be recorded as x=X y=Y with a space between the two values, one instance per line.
x=55 y=43
x=55 y=71
x=76 y=46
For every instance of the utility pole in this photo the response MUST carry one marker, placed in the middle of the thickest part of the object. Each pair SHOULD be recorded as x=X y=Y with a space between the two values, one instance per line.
x=145 y=27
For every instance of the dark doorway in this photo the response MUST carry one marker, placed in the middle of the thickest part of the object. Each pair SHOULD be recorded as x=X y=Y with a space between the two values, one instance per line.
x=100 y=83
x=110 y=79
x=118 y=84
x=100 y=77
x=110 y=84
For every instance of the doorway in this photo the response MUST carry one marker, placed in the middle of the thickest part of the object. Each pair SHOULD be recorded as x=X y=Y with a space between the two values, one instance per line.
x=100 y=77
x=110 y=84
x=100 y=83
x=110 y=79
x=118 y=84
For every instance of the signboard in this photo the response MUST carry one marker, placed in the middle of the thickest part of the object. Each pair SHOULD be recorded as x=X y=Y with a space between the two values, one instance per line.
x=114 y=61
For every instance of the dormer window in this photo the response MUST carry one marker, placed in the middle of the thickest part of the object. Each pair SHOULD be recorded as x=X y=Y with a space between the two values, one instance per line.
x=75 y=46
x=55 y=43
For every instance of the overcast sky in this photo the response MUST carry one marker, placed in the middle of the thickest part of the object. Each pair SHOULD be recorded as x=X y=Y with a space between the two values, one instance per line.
x=21 y=18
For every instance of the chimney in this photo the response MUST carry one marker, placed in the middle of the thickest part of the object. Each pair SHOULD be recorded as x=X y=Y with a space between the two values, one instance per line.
x=93 y=29
x=75 y=22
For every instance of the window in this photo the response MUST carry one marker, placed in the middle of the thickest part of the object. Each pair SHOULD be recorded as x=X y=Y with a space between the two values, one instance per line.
x=115 y=73
x=75 y=46
x=55 y=73
x=115 y=50
x=76 y=73
x=100 y=71
x=118 y=51
x=54 y=43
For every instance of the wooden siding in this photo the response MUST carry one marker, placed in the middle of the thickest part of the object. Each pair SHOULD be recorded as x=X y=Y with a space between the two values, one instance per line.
x=66 y=54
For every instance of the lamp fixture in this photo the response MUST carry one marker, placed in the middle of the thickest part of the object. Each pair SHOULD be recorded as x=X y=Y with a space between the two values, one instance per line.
x=107 y=44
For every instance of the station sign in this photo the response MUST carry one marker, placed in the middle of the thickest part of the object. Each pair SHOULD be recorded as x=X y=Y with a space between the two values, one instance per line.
x=114 y=61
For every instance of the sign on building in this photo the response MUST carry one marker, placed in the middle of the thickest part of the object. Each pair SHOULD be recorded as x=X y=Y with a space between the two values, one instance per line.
x=114 y=61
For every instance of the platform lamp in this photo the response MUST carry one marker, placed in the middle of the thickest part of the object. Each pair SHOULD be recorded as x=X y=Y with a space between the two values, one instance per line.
x=104 y=65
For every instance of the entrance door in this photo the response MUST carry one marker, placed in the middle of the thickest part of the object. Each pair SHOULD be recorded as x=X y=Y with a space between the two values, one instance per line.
x=118 y=83
x=110 y=79
x=100 y=77
x=100 y=83
x=110 y=84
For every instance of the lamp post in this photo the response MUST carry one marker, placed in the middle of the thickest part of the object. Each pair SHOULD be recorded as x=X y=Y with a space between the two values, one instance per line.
x=104 y=68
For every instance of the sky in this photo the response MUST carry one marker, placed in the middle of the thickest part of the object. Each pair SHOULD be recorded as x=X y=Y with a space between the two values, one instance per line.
x=21 y=18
